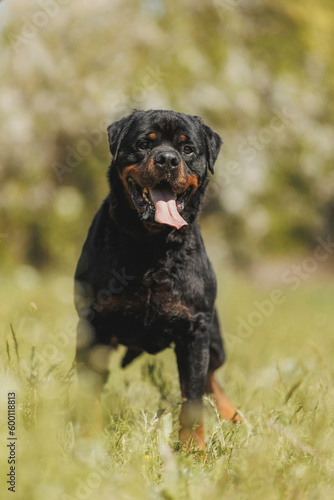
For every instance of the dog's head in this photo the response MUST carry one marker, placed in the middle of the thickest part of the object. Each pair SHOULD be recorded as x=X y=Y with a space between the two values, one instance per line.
x=161 y=159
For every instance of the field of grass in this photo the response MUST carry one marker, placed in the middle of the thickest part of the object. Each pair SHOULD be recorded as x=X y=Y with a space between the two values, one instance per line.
x=279 y=374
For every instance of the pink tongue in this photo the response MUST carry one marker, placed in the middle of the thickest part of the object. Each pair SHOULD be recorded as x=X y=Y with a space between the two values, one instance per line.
x=165 y=207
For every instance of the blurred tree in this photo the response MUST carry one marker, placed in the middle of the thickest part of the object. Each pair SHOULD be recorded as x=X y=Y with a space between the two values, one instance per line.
x=259 y=72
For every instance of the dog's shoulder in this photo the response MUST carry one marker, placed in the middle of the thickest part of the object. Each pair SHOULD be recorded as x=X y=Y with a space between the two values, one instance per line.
x=95 y=239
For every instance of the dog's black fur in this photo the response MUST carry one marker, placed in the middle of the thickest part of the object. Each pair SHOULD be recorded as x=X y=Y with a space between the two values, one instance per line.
x=144 y=284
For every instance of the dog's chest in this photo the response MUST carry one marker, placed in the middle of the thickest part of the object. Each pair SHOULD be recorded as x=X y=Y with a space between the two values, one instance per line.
x=157 y=294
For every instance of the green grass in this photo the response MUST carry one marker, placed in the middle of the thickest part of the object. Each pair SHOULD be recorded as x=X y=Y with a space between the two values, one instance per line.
x=280 y=378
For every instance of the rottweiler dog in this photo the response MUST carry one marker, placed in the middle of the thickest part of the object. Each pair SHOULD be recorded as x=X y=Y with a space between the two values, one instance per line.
x=144 y=279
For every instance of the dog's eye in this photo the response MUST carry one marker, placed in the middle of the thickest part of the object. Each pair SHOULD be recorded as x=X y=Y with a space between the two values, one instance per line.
x=188 y=150
x=143 y=145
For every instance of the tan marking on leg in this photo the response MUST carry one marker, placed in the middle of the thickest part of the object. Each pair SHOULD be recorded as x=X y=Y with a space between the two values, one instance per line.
x=192 y=426
x=224 y=405
x=94 y=423
x=88 y=409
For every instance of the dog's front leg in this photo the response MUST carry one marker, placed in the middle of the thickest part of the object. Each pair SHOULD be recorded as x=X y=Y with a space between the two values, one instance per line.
x=192 y=359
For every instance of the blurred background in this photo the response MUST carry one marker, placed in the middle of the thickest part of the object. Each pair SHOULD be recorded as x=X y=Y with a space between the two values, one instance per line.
x=259 y=73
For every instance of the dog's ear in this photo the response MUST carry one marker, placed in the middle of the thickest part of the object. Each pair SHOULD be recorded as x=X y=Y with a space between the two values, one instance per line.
x=213 y=143
x=116 y=133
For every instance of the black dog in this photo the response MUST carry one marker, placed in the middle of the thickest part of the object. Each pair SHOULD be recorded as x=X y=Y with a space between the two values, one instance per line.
x=143 y=279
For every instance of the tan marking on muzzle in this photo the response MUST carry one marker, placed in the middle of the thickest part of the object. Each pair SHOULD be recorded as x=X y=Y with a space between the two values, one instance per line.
x=186 y=180
x=141 y=175
x=131 y=171
x=138 y=174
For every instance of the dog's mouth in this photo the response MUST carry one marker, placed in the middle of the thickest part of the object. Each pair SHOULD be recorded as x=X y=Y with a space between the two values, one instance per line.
x=160 y=202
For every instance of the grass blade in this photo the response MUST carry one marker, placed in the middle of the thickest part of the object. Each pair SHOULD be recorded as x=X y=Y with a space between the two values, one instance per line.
x=15 y=343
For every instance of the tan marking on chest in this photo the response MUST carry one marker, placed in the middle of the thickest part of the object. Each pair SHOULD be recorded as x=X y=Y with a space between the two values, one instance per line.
x=156 y=303
x=164 y=302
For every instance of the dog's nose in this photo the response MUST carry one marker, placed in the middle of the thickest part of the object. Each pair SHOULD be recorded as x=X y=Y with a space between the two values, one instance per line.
x=167 y=159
